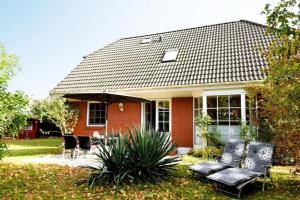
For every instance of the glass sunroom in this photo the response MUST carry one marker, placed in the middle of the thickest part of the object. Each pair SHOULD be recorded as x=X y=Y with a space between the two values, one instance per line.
x=228 y=110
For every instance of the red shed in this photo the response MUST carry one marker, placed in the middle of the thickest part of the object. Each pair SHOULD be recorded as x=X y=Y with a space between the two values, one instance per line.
x=31 y=130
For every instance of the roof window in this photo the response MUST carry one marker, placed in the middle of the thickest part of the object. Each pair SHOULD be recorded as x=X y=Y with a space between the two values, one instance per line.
x=146 y=40
x=170 y=55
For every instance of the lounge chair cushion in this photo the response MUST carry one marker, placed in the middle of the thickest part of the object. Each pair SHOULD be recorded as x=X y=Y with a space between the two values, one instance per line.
x=233 y=152
x=259 y=155
x=233 y=176
x=208 y=167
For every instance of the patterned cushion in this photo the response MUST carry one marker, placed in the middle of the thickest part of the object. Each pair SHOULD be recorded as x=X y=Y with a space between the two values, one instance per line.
x=233 y=151
x=208 y=167
x=258 y=156
x=232 y=176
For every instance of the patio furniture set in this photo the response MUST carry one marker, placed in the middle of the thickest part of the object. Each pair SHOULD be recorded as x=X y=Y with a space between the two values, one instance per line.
x=77 y=144
x=239 y=165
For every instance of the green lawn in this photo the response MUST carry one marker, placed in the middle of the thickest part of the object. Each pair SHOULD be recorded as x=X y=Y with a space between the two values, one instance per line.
x=25 y=181
x=35 y=147
x=56 y=182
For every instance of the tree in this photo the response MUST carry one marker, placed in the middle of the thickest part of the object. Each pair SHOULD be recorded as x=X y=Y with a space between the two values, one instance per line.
x=280 y=102
x=13 y=105
x=58 y=111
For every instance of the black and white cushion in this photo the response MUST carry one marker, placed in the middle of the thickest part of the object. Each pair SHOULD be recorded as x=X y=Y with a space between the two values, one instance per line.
x=259 y=156
x=232 y=155
x=232 y=176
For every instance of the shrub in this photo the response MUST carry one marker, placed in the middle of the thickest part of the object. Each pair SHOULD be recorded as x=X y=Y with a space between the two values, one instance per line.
x=208 y=152
x=137 y=156
x=212 y=136
x=3 y=149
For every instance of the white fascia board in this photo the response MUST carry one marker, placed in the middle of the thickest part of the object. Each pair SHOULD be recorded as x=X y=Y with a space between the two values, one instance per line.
x=191 y=87
x=230 y=91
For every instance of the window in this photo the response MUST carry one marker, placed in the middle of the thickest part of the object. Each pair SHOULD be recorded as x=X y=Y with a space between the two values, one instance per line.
x=198 y=140
x=198 y=106
x=252 y=113
x=170 y=55
x=146 y=40
x=164 y=116
x=96 y=114
x=225 y=112
x=150 y=115
x=28 y=126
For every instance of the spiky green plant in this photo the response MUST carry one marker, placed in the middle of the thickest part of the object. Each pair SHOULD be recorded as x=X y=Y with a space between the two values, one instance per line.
x=138 y=156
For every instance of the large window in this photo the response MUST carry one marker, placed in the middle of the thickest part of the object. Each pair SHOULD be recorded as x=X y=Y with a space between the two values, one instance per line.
x=225 y=112
x=96 y=114
x=198 y=106
x=164 y=116
x=252 y=113
x=251 y=109
x=198 y=140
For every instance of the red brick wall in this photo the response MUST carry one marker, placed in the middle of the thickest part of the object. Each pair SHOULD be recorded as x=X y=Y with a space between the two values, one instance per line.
x=182 y=121
x=116 y=119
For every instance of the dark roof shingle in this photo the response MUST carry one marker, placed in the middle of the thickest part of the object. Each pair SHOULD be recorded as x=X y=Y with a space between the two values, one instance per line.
x=220 y=53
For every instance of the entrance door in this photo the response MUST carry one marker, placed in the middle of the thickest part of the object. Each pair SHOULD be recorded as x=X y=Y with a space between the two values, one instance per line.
x=150 y=116
x=163 y=113
x=157 y=116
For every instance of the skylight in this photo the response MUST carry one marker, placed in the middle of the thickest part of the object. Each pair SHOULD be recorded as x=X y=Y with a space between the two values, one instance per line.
x=170 y=55
x=146 y=40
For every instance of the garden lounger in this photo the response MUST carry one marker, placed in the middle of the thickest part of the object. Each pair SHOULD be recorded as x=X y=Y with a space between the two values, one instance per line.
x=232 y=156
x=257 y=164
x=85 y=144
x=70 y=144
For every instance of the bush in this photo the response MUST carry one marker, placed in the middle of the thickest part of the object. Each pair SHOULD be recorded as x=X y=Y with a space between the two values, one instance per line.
x=3 y=149
x=208 y=152
x=212 y=136
x=137 y=156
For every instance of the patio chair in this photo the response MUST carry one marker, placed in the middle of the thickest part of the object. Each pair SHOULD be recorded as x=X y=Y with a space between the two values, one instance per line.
x=85 y=144
x=232 y=156
x=256 y=165
x=70 y=144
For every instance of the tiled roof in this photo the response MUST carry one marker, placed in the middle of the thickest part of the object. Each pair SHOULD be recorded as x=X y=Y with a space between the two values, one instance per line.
x=220 y=53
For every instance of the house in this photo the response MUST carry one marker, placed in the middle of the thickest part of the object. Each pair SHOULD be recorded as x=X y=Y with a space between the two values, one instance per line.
x=183 y=72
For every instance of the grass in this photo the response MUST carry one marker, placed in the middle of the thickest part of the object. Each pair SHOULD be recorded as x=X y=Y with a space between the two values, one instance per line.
x=25 y=181
x=29 y=148
x=57 y=182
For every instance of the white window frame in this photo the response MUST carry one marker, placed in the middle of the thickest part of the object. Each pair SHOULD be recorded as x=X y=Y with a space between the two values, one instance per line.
x=166 y=56
x=206 y=93
x=157 y=115
x=88 y=115
x=146 y=40
x=194 y=125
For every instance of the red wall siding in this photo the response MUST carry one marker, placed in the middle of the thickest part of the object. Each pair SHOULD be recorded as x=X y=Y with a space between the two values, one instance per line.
x=116 y=119
x=33 y=133
x=182 y=121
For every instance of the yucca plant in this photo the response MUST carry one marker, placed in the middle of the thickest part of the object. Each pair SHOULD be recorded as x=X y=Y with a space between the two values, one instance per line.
x=138 y=156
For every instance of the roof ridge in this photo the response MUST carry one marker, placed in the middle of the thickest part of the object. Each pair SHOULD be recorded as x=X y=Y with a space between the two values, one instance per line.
x=254 y=23
x=184 y=29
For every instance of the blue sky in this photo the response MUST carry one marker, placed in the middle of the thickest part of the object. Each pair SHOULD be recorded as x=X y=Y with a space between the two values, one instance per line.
x=51 y=36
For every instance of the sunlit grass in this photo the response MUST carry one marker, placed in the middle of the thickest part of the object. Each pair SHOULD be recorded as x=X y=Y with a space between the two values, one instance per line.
x=34 y=147
x=43 y=181
x=58 y=182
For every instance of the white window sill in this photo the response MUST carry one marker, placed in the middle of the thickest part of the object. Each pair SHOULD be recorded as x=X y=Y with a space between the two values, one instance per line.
x=99 y=126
